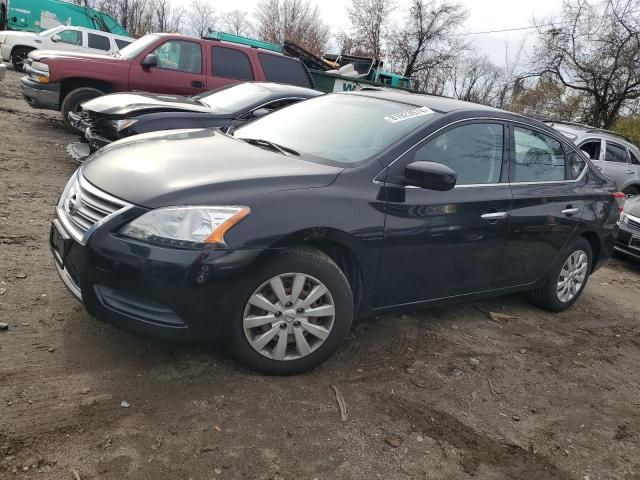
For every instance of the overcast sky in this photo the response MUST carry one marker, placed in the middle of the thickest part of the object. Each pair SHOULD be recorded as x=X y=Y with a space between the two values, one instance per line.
x=483 y=15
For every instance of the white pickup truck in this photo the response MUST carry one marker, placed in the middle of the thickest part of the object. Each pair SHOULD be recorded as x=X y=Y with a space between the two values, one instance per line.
x=15 y=46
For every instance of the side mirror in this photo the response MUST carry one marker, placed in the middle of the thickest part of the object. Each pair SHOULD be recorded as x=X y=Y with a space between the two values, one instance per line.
x=56 y=38
x=431 y=175
x=260 y=112
x=150 y=60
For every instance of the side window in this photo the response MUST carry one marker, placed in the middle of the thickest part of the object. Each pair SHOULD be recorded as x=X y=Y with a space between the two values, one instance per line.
x=121 y=43
x=539 y=158
x=72 y=37
x=634 y=158
x=592 y=149
x=283 y=70
x=473 y=151
x=99 y=42
x=615 y=153
x=180 y=56
x=231 y=63
x=576 y=164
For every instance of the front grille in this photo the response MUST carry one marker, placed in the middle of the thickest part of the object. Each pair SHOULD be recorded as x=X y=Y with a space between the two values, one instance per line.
x=82 y=206
x=632 y=222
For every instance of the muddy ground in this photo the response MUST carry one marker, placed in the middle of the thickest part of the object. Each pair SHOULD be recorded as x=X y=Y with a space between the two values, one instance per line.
x=437 y=394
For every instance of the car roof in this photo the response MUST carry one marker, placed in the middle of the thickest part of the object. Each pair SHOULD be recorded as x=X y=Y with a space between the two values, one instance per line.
x=100 y=32
x=434 y=102
x=224 y=43
x=289 y=89
x=583 y=131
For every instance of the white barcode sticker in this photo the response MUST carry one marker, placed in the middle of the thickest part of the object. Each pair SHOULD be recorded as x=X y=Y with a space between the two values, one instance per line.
x=408 y=114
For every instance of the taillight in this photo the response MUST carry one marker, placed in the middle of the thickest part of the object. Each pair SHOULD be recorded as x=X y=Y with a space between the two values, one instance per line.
x=620 y=198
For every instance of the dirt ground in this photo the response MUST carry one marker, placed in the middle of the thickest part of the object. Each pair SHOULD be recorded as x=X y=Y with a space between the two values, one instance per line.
x=437 y=394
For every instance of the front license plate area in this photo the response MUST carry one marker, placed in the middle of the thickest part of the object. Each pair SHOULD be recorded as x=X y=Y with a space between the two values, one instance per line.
x=635 y=242
x=59 y=241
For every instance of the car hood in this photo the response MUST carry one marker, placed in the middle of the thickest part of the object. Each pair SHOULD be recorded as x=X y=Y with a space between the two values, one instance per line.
x=39 y=55
x=13 y=34
x=196 y=167
x=132 y=103
x=632 y=206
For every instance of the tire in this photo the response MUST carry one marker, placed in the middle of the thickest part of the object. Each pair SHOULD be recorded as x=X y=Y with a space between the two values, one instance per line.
x=631 y=191
x=72 y=102
x=18 y=58
x=317 y=270
x=549 y=297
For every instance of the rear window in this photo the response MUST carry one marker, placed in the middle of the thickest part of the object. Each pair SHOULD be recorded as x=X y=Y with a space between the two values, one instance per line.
x=121 y=43
x=284 y=70
x=231 y=63
x=99 y=42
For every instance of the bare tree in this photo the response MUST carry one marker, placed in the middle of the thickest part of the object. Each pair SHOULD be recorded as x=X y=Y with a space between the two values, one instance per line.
x=369 y=21
x=136 y=16
x=474 y=78
x=236 y=22
x=295 y=20
x=427 y=38
x=201 y=17
x=168 y=18
x=594 y=49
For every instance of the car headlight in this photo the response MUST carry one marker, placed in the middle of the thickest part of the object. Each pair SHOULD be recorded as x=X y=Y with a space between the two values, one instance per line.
x=122 y=124
x=42 y=68
x=186 y=226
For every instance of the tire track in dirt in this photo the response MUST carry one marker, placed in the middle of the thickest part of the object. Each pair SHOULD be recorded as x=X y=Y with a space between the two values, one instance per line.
x=512 y=460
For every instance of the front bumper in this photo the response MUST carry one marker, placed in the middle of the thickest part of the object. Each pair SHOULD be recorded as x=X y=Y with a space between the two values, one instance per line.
x=41 y=95
x=191 y=295
x=5 y=52
x=623 y=242
x=3 y=70
x=96 y=142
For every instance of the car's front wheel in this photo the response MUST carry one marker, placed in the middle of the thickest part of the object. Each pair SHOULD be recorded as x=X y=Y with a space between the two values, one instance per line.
x=72 y=102
x=567 y=279
x=19 y=58
x=297 y=311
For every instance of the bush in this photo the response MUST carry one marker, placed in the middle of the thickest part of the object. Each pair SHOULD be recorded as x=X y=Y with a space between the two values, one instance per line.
x=630 y=128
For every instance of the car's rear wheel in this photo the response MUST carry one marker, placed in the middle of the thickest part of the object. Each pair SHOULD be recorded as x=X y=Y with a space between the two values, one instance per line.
x=297 y=311
x=19 y=57
x=72 y=102
x=567 y=280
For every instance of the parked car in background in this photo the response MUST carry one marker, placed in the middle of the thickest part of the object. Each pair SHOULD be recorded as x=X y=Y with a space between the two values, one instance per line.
x=341 y=206
x=611 y=153
x=15 y=46
x=119 y=115
x=628 y=241
x=157 y=63
x=3 y=70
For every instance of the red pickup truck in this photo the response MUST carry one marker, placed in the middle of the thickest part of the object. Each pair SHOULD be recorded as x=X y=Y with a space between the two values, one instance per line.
x=159 y=63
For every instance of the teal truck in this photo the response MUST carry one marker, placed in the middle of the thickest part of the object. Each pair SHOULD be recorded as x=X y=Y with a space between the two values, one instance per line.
x=38 y=15
x=331 y=73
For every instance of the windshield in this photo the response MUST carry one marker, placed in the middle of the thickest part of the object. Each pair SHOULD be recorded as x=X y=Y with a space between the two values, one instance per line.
x=48 y=32
x=136 y=48
x=234 y=98
x=339 y=128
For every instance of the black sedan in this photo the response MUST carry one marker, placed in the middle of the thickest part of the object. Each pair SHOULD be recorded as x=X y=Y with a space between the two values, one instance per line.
x=340 y=207
x=119 y=115
x=628 y=241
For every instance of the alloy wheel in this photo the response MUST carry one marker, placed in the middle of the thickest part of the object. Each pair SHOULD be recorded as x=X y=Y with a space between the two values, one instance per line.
x=572 y=276
x=289 y=316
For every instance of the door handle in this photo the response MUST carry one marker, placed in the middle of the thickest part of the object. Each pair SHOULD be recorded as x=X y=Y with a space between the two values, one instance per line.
x=570 y=211
x=630 y=172
x=197 y=84
x=494 y=216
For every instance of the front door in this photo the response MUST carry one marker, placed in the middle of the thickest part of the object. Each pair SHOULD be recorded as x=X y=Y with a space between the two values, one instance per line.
x=180 y=70
x=548 y=203
x=443 y=244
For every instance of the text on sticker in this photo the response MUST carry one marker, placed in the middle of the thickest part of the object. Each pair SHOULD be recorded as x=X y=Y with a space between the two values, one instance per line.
x=406 y=115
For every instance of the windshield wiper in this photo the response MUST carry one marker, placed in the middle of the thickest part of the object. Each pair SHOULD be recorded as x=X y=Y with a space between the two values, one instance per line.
x=273 y=146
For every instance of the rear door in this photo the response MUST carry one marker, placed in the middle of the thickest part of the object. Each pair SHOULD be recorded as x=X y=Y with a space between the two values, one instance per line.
x=443 y=244
x=229 y=65
x=97 y=43
x=548 y=203
x=180 y=69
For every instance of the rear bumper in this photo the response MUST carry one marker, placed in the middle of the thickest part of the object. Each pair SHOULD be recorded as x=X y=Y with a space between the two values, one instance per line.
x=41 y=95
